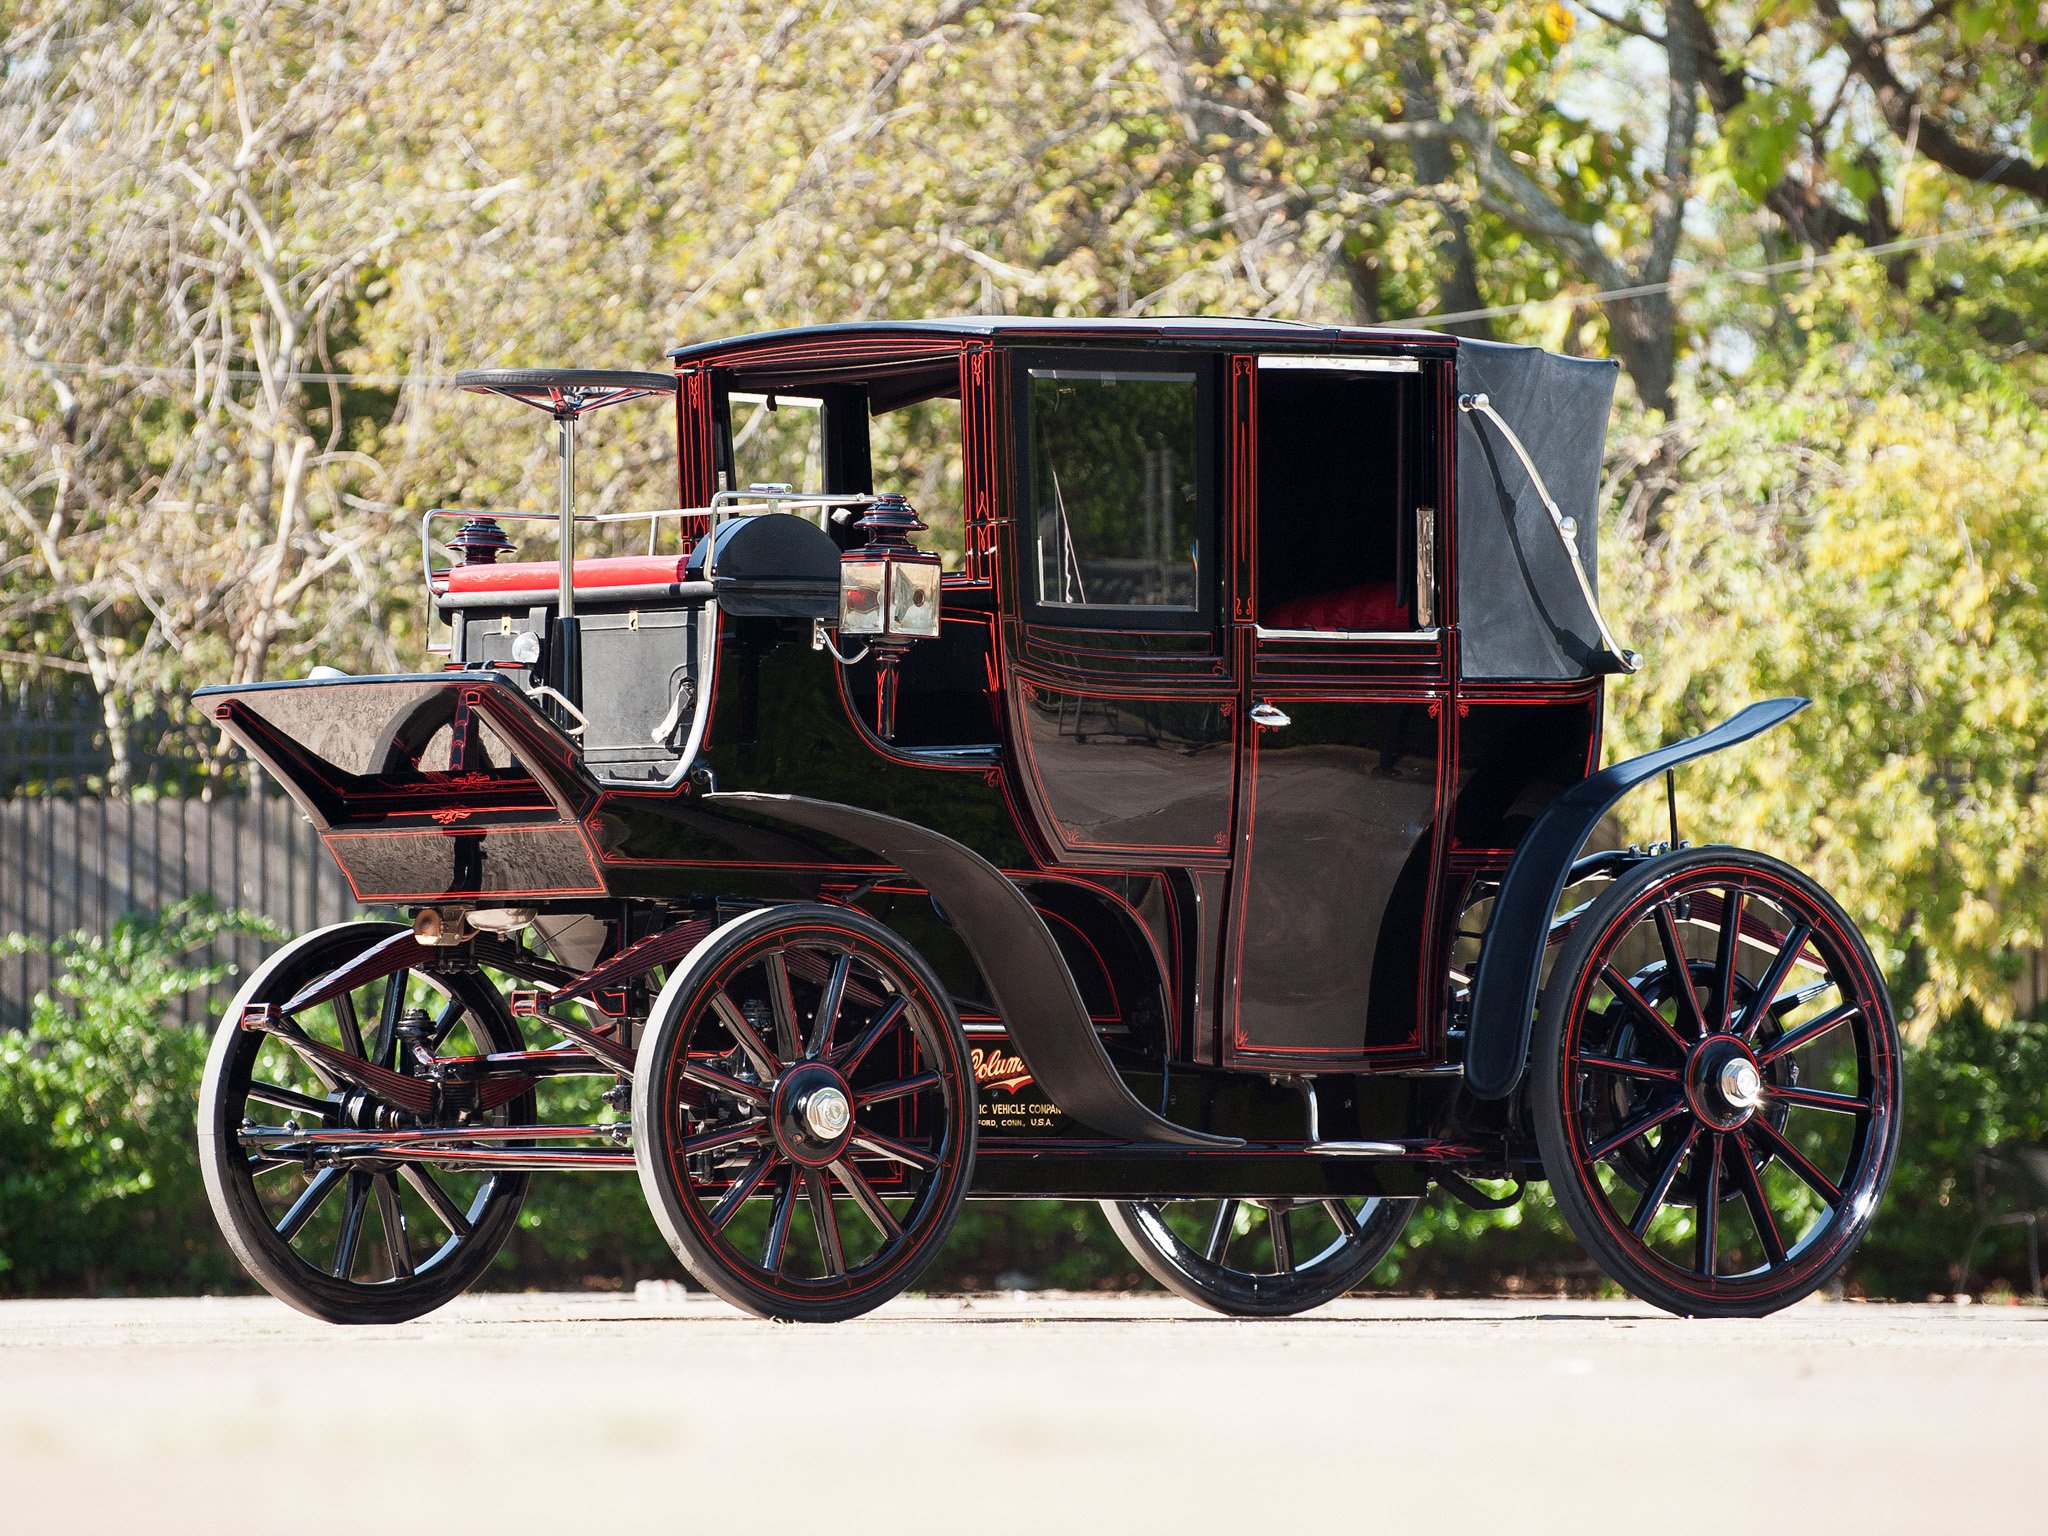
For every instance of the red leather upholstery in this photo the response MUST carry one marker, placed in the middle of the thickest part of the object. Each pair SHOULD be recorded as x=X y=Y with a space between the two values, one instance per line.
x=545 y=575
x=1375 y=606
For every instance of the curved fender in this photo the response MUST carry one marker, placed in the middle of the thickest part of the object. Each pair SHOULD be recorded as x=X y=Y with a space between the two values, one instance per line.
x=1511 y=960
x=1033 y=989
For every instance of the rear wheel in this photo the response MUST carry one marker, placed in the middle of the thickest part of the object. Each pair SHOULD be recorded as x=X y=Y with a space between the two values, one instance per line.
x=1715 y=1083
x=1259 y=1258
x=352 y=1239
x=804 y=1113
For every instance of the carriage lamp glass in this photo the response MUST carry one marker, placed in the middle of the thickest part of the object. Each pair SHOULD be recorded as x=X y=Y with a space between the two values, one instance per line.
x=889 y=588
x=862 y=584
x=914 y=597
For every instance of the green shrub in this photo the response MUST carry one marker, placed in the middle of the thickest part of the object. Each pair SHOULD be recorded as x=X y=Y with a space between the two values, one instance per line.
x=1971 y=1085
x=99 y=1175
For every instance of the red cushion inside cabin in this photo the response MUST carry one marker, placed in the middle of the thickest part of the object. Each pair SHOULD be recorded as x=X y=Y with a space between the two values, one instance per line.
x=1375 y=606
x=545 y=575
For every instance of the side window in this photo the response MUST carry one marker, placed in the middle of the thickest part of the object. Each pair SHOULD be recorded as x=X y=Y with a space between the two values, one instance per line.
x=917 y=449
x=777 y=440
x=1341 y=479
x=1112 y=490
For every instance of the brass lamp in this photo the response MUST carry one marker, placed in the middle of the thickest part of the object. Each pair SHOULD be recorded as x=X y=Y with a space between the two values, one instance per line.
x=889 y=596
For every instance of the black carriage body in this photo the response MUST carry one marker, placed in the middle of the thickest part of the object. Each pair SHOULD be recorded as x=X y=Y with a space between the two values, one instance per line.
x=1246 y=754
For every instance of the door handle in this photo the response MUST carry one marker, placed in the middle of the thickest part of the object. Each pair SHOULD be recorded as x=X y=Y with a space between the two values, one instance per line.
x=1269 y=717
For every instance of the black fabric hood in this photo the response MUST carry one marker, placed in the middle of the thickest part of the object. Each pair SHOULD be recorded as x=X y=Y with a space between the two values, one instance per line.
x=1520 y=612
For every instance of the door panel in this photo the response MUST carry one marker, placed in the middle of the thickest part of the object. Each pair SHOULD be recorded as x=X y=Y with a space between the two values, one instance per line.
x=1336 y=848
x=1129 y=773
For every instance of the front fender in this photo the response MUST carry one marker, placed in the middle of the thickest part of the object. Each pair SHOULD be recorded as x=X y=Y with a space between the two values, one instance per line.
x=1511 y=958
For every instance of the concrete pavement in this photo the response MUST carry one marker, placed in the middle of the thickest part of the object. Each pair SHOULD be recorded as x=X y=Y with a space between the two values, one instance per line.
x=1046 y=1413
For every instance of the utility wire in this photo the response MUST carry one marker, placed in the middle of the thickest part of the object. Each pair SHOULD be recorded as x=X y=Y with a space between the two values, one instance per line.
x=1682 y=281
x=1703 y=277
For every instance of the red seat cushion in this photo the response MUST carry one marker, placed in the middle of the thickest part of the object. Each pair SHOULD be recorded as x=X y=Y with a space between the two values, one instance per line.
x=545 y=575
x=1375 y=606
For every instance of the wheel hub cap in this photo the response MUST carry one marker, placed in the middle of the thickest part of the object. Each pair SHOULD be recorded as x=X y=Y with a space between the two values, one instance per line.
x=811 y=1111
x=826 y=1113
x=1723 y=1082
x=1740 y=1083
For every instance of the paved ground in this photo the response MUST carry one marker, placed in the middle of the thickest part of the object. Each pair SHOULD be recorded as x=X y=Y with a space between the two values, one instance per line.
x=1053 y=1414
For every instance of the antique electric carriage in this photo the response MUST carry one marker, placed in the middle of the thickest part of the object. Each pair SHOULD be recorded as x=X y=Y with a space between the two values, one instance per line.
x=1203 y=831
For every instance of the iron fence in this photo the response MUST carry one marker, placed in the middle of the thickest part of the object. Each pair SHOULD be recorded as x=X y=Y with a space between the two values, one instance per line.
x=79 y=848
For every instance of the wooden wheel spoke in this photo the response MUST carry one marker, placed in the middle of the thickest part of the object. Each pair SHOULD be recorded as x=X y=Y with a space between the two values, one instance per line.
x=746 y=1037
x=1623 y=1068
x=1639 y=1005
x=1707 y=1229
x=778 y=1223
x=829 y=1001
x=864 y=1195
x=350 y=1027
x=391 y=1212
x=445 y=1210
x=1778 y=1146
x=1727 y=950
x=1808 y=1032
x=289 y=1099
x=1761 y=1216
x=387 y=1022
x=728 y=1136
x=1283 y=1240
x=1774 y=978
x=782 y=1002
x=894 y=1150
x=311 y=1198
x=1221 y=1230
x=1347 y=1224
x=903 y=1088
x=444 y=1021
x=889 y=1018
x=825 y=1220
x=723 y=1082
x=1798 y=995
x=1660 y=1186
x=742 y=1190
x=354 y=1205
x=1680 y=969
x=1816 y=1098
x=1641 y=1125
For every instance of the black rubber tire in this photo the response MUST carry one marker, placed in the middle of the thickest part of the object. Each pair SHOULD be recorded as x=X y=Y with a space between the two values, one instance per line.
x=1819 y=1254
x=662 y=1119
x=270 y=1260
x=1169 y=1259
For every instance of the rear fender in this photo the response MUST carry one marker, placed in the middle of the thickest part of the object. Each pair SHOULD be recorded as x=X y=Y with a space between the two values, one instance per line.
x=1511 y=958
x=1032 y=988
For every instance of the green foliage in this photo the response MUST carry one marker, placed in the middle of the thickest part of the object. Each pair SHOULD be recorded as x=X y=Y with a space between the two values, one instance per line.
x=1972 y=1085
x=99 y=1176
x=1878 y=543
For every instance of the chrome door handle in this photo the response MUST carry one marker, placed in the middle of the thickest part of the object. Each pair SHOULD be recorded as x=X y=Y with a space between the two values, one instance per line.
x=1269 y=717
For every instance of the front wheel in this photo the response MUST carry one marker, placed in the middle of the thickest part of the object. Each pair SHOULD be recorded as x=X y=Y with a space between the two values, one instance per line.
x=1715 y=1083
x=1259 y=1258
x=347 y=1237
x=804 y=1113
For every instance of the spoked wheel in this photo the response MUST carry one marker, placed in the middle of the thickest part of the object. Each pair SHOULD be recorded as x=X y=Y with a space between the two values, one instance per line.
x=1259 y=1258
x=1716 y=1083
x=352 y=1239
x=804 y=1113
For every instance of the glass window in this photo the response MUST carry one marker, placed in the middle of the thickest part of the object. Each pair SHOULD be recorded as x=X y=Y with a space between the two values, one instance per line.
x=916 y=449
x=1112 y=488
x=777 y=440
